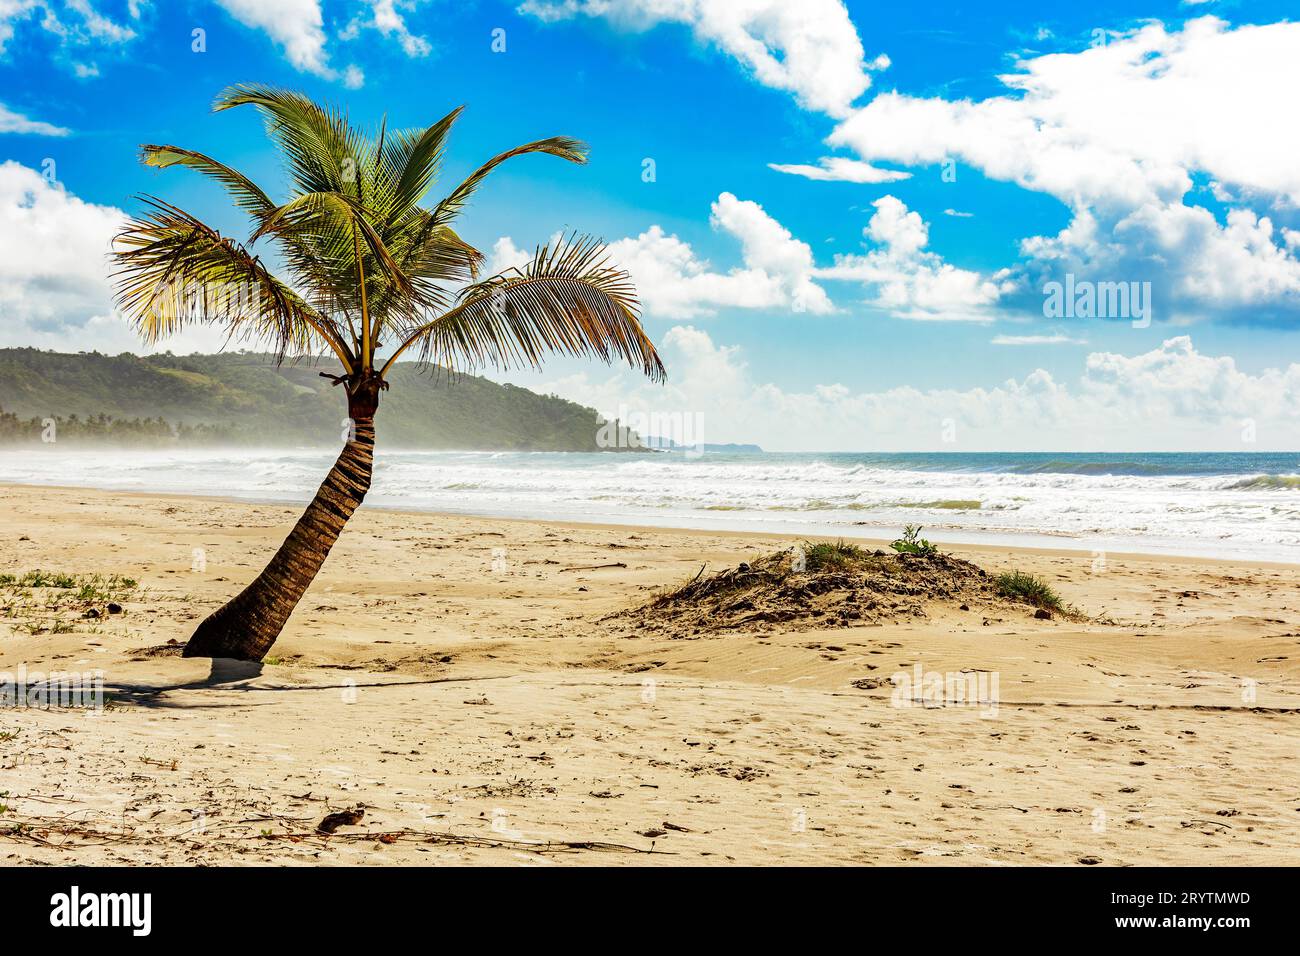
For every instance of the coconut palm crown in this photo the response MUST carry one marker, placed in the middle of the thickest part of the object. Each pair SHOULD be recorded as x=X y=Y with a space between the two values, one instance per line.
x=369 y=275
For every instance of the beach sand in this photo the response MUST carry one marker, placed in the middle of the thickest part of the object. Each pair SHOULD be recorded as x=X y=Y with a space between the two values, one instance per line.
x=454 y=676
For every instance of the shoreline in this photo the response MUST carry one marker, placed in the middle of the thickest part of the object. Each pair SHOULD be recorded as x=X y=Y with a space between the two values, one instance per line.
x=978 y=542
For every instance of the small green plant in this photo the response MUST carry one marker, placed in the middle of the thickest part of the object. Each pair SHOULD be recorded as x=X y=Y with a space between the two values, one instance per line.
x=62 y=580
x=912 y=543
x=35 y=602
x=824 y=556
x=48 y=579
x=1030 y=589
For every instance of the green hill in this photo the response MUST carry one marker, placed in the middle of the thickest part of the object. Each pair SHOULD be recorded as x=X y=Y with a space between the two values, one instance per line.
x=243 y=398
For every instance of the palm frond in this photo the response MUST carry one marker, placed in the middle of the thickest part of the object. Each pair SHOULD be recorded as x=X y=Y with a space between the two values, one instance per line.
x=575 y=151
x=174 y=271
x=325 y=153
x=413 y=159
x=435 y=258
x=434 y=251
x=247 y=194
x=568 y=299
x=333 y=215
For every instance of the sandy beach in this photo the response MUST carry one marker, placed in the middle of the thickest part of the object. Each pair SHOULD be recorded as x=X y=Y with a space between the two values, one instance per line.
x=460 y=678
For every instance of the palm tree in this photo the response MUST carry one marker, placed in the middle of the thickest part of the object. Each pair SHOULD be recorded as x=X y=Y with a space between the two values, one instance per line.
x=366 y=267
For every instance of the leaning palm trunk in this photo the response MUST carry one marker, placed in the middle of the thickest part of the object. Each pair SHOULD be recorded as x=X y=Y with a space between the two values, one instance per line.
x=369 y=269
x=247 y=626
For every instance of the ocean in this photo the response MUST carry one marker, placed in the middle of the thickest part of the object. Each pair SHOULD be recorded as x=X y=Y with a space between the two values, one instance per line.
x=1229 y=505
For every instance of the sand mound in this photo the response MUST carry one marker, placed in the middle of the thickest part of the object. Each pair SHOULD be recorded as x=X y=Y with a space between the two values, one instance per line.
x=814 y=587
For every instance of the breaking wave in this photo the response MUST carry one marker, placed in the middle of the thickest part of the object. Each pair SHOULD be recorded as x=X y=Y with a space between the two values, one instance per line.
x=1245 y=505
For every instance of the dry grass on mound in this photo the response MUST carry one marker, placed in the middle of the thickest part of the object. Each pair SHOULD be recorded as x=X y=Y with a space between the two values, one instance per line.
x=834 y=585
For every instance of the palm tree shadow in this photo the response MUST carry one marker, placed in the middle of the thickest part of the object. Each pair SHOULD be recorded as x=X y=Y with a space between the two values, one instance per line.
x=226 y=670
x=224 y=673
x=230 y=675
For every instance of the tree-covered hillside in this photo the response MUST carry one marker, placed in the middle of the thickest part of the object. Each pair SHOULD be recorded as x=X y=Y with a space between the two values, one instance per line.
x=243 y=398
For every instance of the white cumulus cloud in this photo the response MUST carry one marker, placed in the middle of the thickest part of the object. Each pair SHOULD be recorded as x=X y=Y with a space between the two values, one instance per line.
x=386 y=18
x=912 y=282
x=674 y=282
x=296 y=26
x=54 y=268
x=809 y=48
x=55 y=290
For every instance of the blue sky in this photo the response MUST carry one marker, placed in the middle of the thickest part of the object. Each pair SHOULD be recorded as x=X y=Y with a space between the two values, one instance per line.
x=864 y=307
